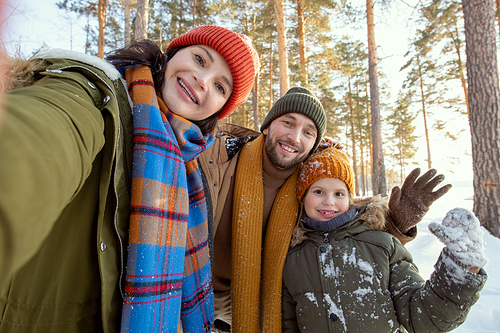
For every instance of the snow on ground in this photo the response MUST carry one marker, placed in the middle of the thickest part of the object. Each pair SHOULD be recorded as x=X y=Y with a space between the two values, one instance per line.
x=485 y=314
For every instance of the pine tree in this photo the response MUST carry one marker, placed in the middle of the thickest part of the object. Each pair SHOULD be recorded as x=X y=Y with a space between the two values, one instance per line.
x=402 y=138
x=282 y=47
x=351 y=57
x=87 y=9
x=379 y=185
x=443 y=23
x=421 y=80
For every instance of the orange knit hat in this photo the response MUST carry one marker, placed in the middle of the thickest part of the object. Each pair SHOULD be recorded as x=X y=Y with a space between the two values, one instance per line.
x=238 y=52
x=328 y=163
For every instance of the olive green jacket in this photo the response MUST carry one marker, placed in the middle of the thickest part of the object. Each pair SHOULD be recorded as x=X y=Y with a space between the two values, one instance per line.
x=357 y=278
x=65 y=160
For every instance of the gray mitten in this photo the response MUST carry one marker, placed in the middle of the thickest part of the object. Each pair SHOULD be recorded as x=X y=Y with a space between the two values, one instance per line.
x=461 y=233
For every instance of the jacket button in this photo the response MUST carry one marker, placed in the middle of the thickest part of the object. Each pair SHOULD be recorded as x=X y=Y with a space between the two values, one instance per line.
x=103 y=246
x=333 y=317
x=91 y=85
x=106 y=100
x=210 y=162
x=322 y=249
x=215 y=184
x=54 y=70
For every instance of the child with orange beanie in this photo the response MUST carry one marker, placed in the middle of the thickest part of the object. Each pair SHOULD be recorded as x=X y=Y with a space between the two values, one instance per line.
x=344 y=273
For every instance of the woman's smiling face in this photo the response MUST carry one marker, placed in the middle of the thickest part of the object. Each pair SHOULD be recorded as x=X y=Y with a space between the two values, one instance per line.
x=198 y=82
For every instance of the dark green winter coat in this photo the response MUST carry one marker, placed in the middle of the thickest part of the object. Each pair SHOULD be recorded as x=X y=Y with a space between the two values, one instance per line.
x=358 y=278
x=64 y=198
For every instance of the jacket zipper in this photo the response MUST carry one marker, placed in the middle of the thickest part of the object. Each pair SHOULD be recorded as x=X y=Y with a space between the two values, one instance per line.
x=116 y=213
x=114 y=172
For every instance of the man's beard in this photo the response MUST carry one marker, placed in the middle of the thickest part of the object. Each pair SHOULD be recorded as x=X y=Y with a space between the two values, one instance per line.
x=279 y=162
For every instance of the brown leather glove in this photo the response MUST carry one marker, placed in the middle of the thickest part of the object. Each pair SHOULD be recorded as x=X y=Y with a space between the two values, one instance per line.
x=409 y=204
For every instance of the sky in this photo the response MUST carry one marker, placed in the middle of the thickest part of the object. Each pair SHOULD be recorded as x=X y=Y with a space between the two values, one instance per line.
x=35 y=23
x=31 y=23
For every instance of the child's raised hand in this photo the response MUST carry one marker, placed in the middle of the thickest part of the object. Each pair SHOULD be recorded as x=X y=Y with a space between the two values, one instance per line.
x=460 y=231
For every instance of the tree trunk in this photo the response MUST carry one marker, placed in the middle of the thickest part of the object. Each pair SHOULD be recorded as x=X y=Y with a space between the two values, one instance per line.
x=243 y=114
x=362 y=163
x=271 y=76
x=484 y=107
x=497 y=2
x=141 y=20
x=101 y=15
x=378 y=168
x=255 y=103
x=302 y=43
x=127 y=22
x=87 y=34
x=282 y=51
x=424 y=114
x=461 y=68
x=353 y=138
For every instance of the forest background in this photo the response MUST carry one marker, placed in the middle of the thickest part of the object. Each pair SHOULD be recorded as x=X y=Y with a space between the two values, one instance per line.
x=420 y=53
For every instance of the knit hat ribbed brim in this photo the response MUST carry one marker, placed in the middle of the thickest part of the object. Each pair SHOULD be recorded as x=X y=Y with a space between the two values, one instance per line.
x=238 y=52
x=327 y=163
x=303 y=101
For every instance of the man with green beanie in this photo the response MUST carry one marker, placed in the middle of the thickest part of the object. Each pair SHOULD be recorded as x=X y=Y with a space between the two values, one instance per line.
x=250 y=181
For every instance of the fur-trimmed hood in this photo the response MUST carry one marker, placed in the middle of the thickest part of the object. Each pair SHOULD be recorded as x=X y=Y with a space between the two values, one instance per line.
x=374 y=213
x=20 y=71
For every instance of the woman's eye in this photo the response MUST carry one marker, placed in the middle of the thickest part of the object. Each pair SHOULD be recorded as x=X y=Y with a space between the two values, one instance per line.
x=220 y=87
x=199 y=60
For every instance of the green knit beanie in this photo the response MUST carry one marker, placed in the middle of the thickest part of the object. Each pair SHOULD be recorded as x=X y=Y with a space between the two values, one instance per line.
x=299 y=100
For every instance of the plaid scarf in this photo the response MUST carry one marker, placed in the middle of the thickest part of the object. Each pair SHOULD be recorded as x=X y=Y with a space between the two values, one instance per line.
x=168 y=273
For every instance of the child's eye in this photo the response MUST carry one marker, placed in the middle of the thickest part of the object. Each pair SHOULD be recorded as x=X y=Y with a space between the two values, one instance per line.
x=339 y=194
x=199 y=60
x=318 y=192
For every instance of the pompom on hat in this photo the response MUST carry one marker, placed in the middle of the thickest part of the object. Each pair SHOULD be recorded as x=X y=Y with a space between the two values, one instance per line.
x=330 y=162
x=303 y=101
x=238 y=52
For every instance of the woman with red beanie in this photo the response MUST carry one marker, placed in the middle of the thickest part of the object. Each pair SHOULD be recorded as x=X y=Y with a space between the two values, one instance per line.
x=102 y=207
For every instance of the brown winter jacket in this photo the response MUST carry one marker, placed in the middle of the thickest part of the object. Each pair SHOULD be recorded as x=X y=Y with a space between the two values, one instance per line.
x=218 y=164
x=358 y=279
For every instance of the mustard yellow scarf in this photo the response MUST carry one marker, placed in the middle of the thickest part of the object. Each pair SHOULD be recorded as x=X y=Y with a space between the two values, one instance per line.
x=253 y=297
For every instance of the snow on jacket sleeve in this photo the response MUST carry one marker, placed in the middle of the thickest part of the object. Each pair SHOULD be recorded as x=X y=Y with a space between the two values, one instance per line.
x=439 y=304
x=50 y=135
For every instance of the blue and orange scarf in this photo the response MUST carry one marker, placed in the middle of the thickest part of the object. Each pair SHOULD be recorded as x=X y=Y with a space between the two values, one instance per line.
x=168 y=274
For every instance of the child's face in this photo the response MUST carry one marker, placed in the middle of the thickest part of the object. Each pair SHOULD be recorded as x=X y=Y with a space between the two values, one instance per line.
x=326 y=198
x=198 y=82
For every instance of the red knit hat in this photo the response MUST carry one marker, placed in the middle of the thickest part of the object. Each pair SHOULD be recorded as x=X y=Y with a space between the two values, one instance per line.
x=327 y=163
x=238 y=52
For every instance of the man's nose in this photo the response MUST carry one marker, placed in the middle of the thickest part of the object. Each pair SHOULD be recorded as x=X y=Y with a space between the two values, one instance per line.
x=294 y=135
